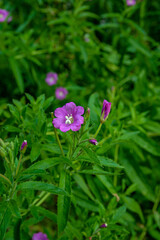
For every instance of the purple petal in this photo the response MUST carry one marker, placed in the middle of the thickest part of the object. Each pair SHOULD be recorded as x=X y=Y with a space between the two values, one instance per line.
x=75 y=127
x=70 y=107
x=79 y=110
x=79 y=119
x=57 y=122
x=61 y=93
x=39 y=236
x=105 y=110
x=65 y=127
x=104 y=225
x=60 y=112
x=93 y=141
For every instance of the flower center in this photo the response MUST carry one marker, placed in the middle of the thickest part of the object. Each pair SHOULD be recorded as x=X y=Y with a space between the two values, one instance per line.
x=60 y=93
x=69 y=119
x=51 y=79
x=1 y=15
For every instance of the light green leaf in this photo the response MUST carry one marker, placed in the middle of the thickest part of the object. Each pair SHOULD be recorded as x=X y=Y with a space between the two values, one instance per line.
x=80 y=181
x=17 y=73
x=132 y=205
x=63 y=201
x=41 y=186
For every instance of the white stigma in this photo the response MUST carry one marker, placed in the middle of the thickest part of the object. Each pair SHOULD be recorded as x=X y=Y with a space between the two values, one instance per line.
x=60 y=93
x=51 y=79
x=69 y=119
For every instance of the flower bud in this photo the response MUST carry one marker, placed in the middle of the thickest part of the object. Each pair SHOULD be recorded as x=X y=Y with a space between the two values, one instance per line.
x=3 y=153
x=93 y=141
x=2 y=143
x=39 y=236
x=105 y=111
x=104 y=225
x=87 y=113
x=24 y=146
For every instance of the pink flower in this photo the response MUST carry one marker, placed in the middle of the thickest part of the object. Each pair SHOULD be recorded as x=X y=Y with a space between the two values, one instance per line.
x=104 y=225
x=24 y=145
x=39 y=236
x=93 y=141
x=61 y=93
x=105 y=111
x=68 y=117
x=131 y=2
x=51 y=78
x=3 y=15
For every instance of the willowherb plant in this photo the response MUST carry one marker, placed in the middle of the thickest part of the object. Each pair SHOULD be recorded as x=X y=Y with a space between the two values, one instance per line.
x=29 y=182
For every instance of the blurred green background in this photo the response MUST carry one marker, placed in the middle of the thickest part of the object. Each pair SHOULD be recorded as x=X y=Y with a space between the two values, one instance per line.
x=100 y=49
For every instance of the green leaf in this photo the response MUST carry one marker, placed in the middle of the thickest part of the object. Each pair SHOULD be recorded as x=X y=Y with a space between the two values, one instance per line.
x=106 y=182
x=47 y=163
x=138 y=46
x=134 y=176
x=119 y=213
x=132 y=205
x=5 y=220
x=41 y=186
x=30 y=98
x=95 y=172
x=148 y=145
x=17 y=73
x=63 y=201
x=12 y=128
x=85 y=204
x=104 y=161
x=91 y=155
x=14 y=111
x=14 y=208
x=127 y=136
x=94 y=188
x=80 y=181
x=35 y=151
x=48 y=102
x=44 y=212
x=54 y=148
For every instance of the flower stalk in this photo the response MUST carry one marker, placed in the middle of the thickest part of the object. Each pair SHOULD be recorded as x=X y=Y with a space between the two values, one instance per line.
x=57 y=137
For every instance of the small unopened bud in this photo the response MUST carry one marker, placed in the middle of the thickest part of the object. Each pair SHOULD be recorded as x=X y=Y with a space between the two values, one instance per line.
x=3 y=153
x=93 y=141
x=105 y=111
x=104 y=225
x=87 y=113
x=24 y=146
x=52 y=115
x=2 y=143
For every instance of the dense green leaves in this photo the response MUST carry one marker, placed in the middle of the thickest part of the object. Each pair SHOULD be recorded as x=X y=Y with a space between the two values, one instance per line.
x=41 y=186
x=99 y=50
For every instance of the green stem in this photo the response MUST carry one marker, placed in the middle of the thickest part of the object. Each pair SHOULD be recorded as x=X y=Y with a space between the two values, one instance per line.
x=43 y=199
x=58 y=141
x=116 y=160
x=156 y=202
x=38 y=198
x=99 y=128
x=6 y=179
x=19 y=163
x=57 y=137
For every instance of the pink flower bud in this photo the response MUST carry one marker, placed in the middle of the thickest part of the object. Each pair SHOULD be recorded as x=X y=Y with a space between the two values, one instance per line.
x=105 y=111
x=104 y=225
x=24 y=146
x=93 y=141
x=39 y=236
x=131 y=2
